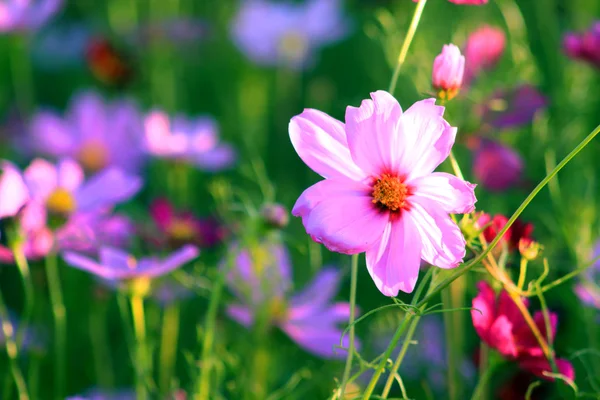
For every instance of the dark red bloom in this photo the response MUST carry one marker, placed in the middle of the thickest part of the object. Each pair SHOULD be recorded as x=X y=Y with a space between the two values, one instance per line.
x=184 y=227
x=108 y=64
x=500 y=324
x=518 y=230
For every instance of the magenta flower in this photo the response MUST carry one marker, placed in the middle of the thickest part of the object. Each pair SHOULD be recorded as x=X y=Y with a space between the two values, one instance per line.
x=514 y=107
x=588 y=289
x=483 y=50
x=61 y=188
x=115 y=264
x=95 y=133
x=261 y=279
x=26 y=15
x=184 y=227
x=465 y=2
x=195 y=141
x=584 y=47
x=448 y=70
x=380 y=194
x=496 y=166
x=500 y=324
x=274 y=33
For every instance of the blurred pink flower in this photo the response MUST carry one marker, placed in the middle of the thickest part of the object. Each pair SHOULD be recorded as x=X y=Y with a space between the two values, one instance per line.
x=448 y=70
x=584 y=46
x=380 y=194
x=588 y=289
x=191 y=140
x=500 y=324
x=95 y=133
x=35 y=238
x=260 y=278
x=496 y=166
x=14 y=193
x=284 y=33
x=88 y=232
x=115 y=264
x=179 y=227
x=26 y=15
x=62 y=190
x=483 y=50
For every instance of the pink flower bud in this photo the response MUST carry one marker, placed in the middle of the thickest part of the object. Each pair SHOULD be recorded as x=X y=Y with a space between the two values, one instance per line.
x=448 y=70
x=483 y=50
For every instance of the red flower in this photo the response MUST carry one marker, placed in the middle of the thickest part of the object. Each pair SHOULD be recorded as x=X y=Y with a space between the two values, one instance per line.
x=500 y=324
x=108 y=64
x=518 y=230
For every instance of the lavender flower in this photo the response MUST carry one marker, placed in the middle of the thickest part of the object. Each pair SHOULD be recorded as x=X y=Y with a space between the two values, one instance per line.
x=496 y=166
x=26 y=15
x=99 y=394
x=287 y=34
x=588 y=289
x=117 y=265
x=260 y=279
x=514 y=107
x=191 y=140
x=95 y=133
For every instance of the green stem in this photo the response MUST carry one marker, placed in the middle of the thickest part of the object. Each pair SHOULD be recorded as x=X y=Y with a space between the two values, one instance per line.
x=12 y=350
x=23 y=267
x=406 y=44
x=348 y=368
x=480 y=392
x=407 y=340
x=455 y=166
x=450 y=331
x=467 y=267
x=142 y=364
x=100 y=349
x=209 y=338
x=522 y=273
x=22 y=75
x=168 y=346
x=60 y=324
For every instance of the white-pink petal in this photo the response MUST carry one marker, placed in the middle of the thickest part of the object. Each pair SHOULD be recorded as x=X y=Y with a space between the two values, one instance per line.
x=372 y=132
x=450 y=193
x=427 y=138
x=70 y=174
x=443 y=244
x=14 y=194
x=341 y=215
x=394 y=261
x=41 y=178
x=320 y=141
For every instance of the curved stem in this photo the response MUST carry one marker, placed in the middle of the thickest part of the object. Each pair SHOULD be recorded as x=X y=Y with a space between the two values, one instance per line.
x=348 y=368
x=209 y=338
x=12 y=350
x=444 y=284
x=139 y=326
x=60 y=324
x=522 y=273
x=407 y=339
x=406 y=44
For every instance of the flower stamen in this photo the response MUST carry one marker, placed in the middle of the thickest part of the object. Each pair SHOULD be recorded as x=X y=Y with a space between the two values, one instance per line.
x=390 y=192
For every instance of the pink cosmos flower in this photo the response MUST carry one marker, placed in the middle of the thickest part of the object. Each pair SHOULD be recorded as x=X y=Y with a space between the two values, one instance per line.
x=586 y=46
x=496 y=166
x=483 y=50
x=36 y=238
x=518 y=231
x=14 y=193
x=95 y=133
x=500 y=324
x=448 y=70
x=179 y=227
x=261 y=281
x=115 y=264
x=190 y=140
x=26 y=15
x=380 y=194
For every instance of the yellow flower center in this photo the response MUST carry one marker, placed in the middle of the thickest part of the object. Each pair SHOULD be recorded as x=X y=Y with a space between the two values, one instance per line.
x=181 y=230
x=277 y=309
x=93 y=156
x=390 y=192
x=293 y=46
x=61 y=201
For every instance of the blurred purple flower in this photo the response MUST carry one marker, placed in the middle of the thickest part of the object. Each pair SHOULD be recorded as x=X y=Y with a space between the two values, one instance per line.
x=61 y=188
x=483 y=50
x=287 y=34
x=100 y=394
x=95 y=133
x=584 y=46
x=177 y=31
x=26 y=15
x=116 y=265
x=61 y=46
x=191 y=140
x=513 y=107
x=588 y=289
x=260 y=278
x=275 y=215
x=495 y=166
x=33 y=340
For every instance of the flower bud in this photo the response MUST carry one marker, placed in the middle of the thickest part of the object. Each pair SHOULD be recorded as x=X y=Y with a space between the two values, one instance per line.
x=275 y=215
x=483 y=50
x=448 y=71
x=529 y=249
